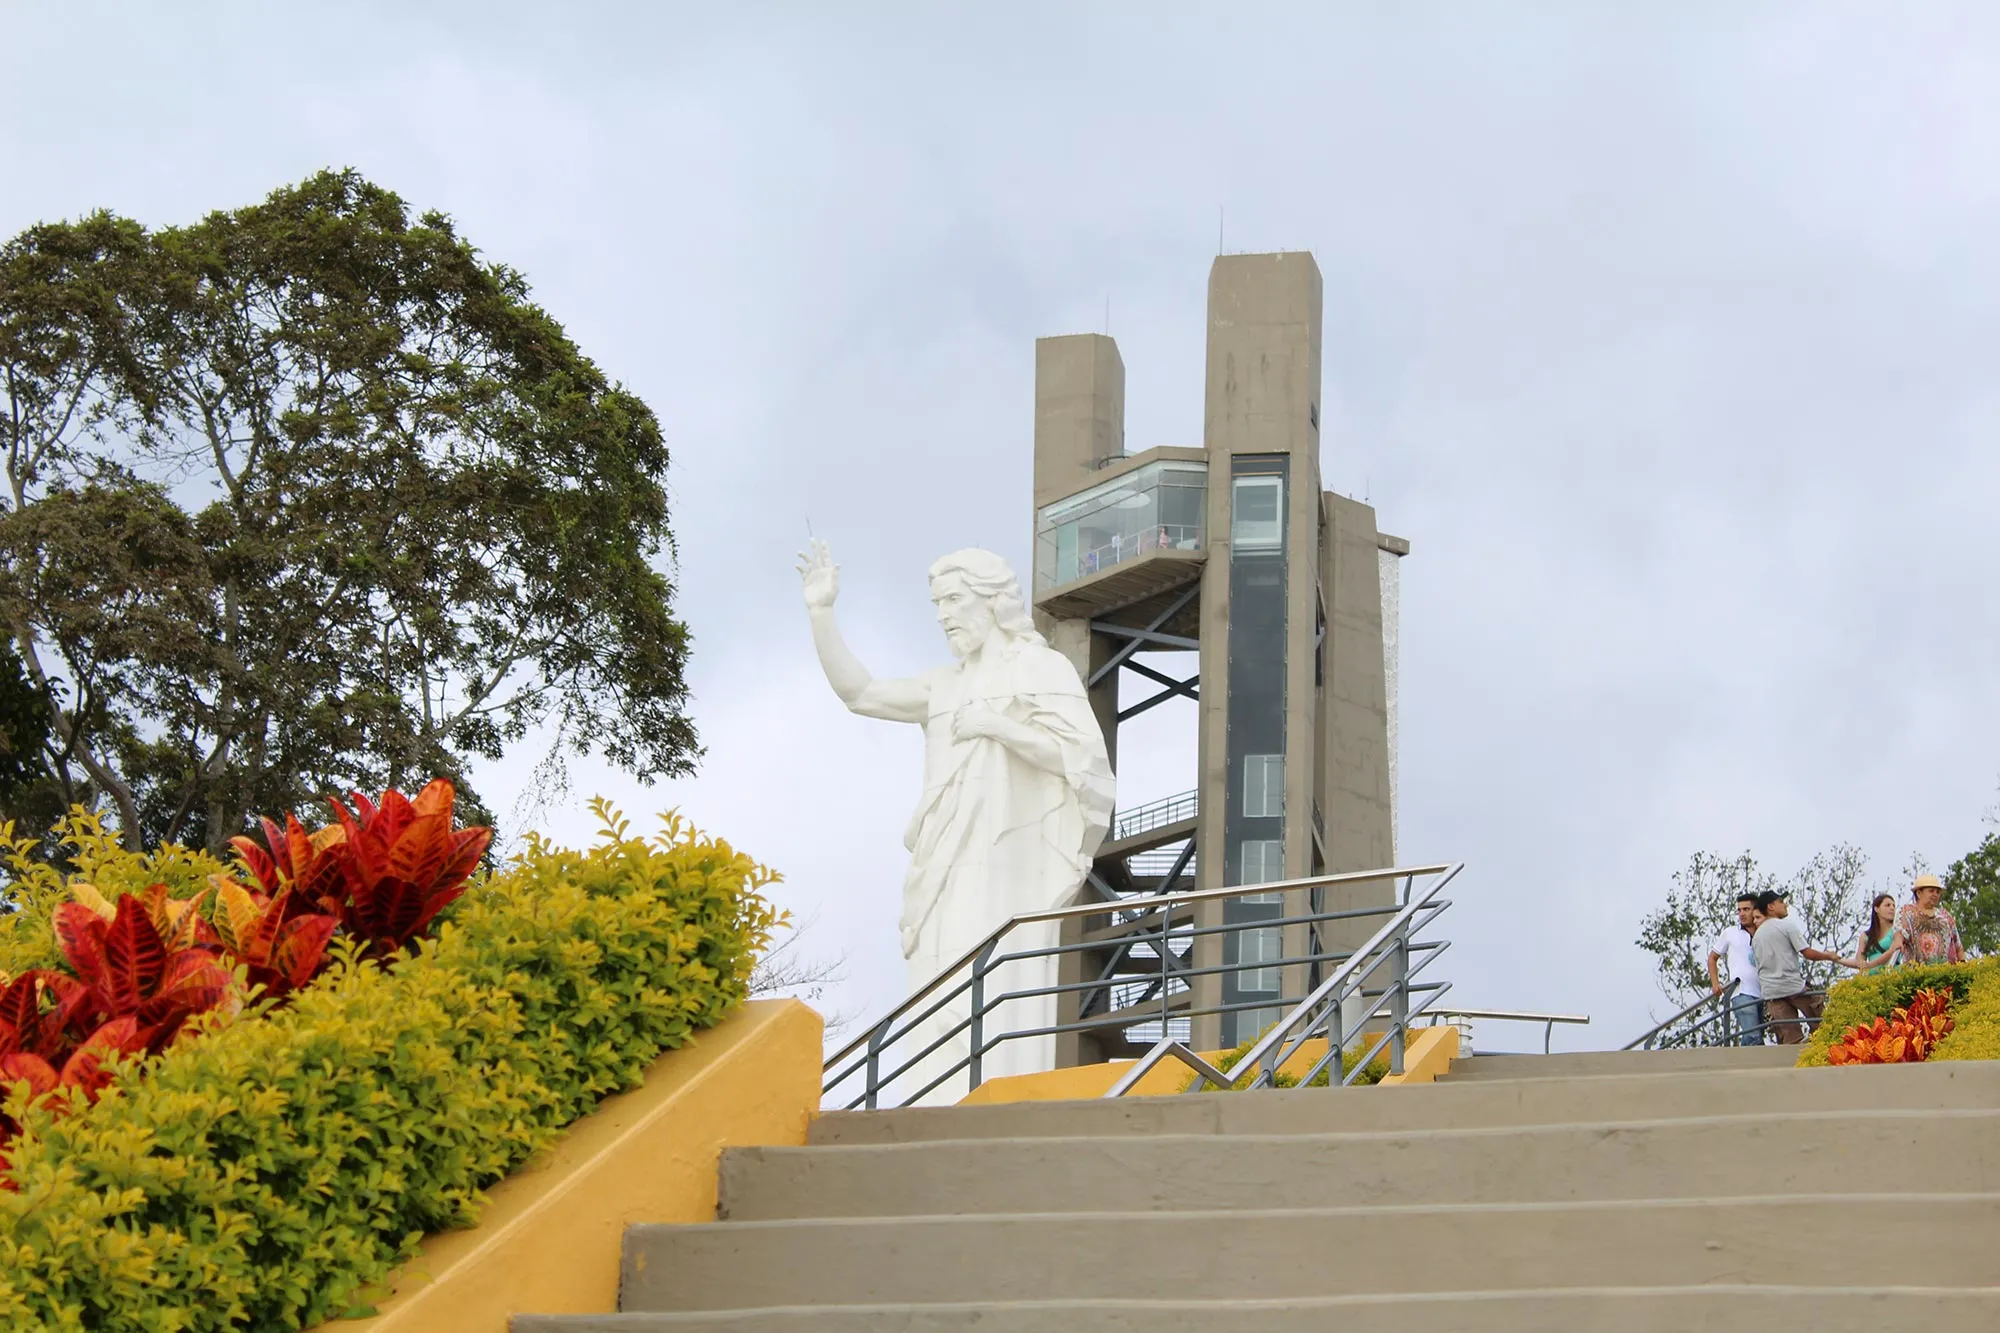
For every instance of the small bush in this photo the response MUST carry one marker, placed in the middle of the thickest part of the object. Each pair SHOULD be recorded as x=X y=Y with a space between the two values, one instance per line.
x=1859 y=1001
x=1377 y=1070
x=264 y=1174
x=31 y=889
x=1976 y=1034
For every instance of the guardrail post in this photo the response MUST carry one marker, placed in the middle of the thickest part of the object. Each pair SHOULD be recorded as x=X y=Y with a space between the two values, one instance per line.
x=1336 y=1040
x=1399 y=1003
x=874 y=1084
x=977 y=1023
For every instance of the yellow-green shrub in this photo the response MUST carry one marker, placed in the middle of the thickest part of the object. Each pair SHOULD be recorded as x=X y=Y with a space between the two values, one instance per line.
x=34 y=887
x=1377 y=1070
x=1863 y=999
x=264 y=1174
x=1975 y=1031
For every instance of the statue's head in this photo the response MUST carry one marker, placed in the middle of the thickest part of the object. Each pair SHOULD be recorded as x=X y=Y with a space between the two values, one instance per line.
x=977 y=596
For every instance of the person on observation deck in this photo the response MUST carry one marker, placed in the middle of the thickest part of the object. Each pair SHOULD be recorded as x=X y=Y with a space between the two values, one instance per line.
x=1779 y=945
x=1746 y=1006
x=1880 y=943
x=1927 y=931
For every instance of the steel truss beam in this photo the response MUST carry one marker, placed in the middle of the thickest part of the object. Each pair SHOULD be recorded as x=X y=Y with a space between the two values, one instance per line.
x=1139 y=638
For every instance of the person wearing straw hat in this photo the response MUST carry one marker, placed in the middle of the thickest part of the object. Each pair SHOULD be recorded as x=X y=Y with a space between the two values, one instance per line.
x=1925 y=928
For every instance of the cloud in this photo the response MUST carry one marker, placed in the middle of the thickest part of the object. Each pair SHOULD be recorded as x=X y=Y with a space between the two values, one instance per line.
x=1663 y=332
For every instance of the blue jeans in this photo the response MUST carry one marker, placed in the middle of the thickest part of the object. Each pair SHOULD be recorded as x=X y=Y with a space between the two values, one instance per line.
x=1748 y=1013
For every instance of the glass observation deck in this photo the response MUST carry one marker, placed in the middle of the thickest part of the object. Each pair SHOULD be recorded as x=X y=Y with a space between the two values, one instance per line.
x=1152 y=510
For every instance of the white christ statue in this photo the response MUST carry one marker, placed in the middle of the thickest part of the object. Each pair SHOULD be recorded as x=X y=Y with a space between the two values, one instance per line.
x=1017 y=796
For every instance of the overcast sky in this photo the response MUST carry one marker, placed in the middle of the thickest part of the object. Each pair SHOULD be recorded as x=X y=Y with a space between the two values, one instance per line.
x=1666 y=333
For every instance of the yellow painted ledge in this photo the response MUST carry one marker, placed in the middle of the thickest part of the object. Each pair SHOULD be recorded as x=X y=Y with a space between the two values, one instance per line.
x=1429 y=1054
x=548 y=1240
x=1087 y=1081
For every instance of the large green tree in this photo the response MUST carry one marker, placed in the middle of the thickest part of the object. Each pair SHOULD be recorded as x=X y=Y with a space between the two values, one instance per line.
x=308 y=495
x=1972 y=890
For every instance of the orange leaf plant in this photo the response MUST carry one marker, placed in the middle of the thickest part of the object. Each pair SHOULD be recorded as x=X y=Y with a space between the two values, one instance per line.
x=384 y=871
x=141 y=967
x=1907 y=1036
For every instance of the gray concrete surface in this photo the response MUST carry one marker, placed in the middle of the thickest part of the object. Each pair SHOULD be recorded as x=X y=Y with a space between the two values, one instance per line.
x=1451 y=1104
x=1292 y=1254
x=1815 y=1152
x=1623 y=1062
x=1564 y=1194
x=1630 y=1310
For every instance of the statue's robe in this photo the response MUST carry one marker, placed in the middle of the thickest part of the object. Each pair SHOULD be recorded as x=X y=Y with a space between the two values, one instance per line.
x=994 y=836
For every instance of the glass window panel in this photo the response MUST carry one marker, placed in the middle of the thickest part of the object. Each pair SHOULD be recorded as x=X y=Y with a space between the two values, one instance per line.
x=1263 y=786
x=1263 y=863
x=1257 y=513
x=1159 y=507
x=1265 y=944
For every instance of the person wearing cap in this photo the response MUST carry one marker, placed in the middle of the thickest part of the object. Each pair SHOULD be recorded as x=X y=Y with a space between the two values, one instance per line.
x=1778 y=945
x=1925 y=928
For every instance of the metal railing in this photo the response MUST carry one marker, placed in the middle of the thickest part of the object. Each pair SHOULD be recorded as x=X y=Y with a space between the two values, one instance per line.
x=943 y=1036
x=1156 y=814
x=1711 y=1021
x=1340 y=1008
x=1548 y=1021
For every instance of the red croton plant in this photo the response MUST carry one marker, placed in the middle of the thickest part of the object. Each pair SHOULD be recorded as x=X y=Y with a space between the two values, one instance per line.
x=1905 y=1037
x=140 y=968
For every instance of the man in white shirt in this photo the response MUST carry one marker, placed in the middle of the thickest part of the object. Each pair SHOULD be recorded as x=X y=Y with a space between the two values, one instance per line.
x=1778 y=946
x=1746 y=1006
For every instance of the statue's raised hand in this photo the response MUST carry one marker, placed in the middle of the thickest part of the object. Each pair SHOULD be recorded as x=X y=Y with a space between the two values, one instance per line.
x=820 y=575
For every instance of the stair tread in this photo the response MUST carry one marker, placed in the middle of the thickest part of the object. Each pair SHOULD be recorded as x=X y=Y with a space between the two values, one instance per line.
x=1299 y=1252
x=1490 y=1302
x=1487 y=1100
x=1841 y=1198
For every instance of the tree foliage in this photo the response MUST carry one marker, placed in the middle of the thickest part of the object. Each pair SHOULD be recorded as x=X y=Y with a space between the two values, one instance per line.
x=1972 y=890
x=308 y=497
x=1825 y=894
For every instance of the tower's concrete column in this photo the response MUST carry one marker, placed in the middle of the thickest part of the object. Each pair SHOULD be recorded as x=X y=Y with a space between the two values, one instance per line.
x=1079 y=426
x=1259 y=591
x=1079 y=411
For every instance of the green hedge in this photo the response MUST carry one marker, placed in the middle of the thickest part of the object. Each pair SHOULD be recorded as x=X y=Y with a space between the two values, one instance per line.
x=1378 y=1069
x=268 y=1173
x=1863 y=999
x=1975 y=1032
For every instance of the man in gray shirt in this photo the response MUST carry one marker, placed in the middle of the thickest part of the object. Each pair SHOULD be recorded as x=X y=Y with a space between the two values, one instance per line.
x=1778 y=946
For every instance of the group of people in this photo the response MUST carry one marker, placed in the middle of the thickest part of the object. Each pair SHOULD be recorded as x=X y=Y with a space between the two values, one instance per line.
x=1766 y=949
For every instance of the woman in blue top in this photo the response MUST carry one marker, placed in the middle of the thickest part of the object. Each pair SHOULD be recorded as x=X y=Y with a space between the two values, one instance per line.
x=1880 y=944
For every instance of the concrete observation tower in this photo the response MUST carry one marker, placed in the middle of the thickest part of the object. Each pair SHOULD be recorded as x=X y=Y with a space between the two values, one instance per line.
x=1283 y=596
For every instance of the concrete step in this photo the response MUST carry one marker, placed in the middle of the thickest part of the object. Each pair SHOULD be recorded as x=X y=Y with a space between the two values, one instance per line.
x=1307 y=1253
x=1577 y=1310
x=1575 y=1063
x=1791 y=1153
x=1452 y=1104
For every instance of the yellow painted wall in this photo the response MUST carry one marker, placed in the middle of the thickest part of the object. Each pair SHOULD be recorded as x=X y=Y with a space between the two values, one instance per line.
x=1429 y=1054
x=548 y=1241
x=1087 y=1081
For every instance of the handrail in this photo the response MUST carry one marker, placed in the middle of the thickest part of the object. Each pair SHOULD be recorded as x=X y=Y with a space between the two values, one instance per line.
x=1143 y=902
x=1156 y=814
x=1548 y=1021
x=1514 y=1014
x=1341 y=980
x=1715 y=998
x=1656 y=1038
